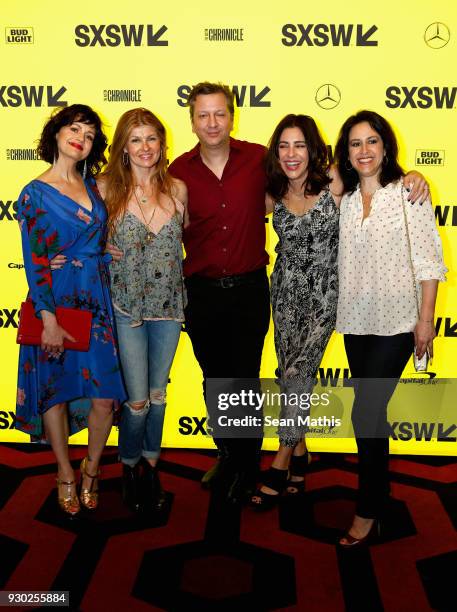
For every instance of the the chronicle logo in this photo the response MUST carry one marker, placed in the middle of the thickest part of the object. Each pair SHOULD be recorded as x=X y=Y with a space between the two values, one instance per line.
x=8 y=210
x=426 y=157
x=328 y=96
x=31 y=95
x=446 y=215
x=122 y=95
x=115 y=35
x=22 y=155
x=437 y=35
x=245 y=95
x=224 y=34
x=323 y=34
x=19 y=35
x=420 y=97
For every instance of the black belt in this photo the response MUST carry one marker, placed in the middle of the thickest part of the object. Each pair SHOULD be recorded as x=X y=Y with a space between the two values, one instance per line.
x=226 y=282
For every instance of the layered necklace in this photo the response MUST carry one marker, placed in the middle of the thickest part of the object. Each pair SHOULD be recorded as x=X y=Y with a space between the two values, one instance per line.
x=143 y=199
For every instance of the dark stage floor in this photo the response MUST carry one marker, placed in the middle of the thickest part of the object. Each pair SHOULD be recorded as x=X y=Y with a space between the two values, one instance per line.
x=197 y=555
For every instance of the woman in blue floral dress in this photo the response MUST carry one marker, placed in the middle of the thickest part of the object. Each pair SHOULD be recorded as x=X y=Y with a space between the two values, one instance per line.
x=61 y=212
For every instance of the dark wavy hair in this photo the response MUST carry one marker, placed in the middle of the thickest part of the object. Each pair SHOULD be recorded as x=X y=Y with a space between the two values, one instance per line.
x=391 y=169
x=317 y=177
x=47 y=144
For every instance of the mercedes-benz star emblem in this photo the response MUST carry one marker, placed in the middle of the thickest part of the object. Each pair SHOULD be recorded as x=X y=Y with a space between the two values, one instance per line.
x=437 y=35
x=328 y=96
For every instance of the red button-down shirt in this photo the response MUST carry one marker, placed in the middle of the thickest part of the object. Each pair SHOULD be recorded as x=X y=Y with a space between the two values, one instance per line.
x=226 y=231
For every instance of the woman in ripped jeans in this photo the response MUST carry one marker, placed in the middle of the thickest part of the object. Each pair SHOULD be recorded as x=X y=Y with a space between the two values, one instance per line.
x=146 y=210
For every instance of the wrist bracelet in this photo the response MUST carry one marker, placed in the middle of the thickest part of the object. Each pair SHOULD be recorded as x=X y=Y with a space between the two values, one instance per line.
x=426 y=320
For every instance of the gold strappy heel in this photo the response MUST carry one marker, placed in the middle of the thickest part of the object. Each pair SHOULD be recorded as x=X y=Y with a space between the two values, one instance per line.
x=70 y=503
x=89 y=497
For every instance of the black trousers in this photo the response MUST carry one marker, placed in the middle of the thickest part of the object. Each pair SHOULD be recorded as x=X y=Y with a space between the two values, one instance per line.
x=381 y=360
x=227 y=328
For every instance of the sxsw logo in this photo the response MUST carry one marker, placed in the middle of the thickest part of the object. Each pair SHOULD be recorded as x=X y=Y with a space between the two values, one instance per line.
x=323 y=34
x=192 y=426
x=245 y=95
x=22 y=35
x=446 y=215
x=7 y=419
x=332 y=376
x=404 y=430
x=31 y=95
x=114 y=35
x=446 y=327
x=420 y=97
x=425 y=157
x=8 y=210
x=9 y=318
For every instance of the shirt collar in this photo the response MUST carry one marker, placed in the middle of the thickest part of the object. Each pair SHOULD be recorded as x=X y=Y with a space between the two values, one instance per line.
x=389 y=187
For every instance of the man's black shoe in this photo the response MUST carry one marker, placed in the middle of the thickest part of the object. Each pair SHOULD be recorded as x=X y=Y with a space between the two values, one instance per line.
x=218 y=474
x=242 y=488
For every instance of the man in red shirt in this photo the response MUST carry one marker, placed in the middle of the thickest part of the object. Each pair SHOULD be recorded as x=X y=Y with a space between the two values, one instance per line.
x=228 y=310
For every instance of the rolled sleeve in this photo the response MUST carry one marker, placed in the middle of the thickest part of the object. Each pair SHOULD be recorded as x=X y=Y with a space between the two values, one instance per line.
x=426 y=246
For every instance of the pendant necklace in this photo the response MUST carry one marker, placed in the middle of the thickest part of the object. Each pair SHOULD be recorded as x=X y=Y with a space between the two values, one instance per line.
x=143 y=198
x=150 y=234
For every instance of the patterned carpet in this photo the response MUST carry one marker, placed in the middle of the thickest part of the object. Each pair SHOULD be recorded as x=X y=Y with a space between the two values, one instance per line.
x=198 y=555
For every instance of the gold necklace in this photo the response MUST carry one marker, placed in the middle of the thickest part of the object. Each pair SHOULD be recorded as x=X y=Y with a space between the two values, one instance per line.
x=150 y=234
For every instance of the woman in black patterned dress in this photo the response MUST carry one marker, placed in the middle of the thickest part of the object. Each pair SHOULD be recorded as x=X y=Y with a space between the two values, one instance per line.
x=304 y=198
x=304 y=194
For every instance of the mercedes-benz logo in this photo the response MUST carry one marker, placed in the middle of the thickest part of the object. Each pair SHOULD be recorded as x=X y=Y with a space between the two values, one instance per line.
x=328 y=96
x=437 y=35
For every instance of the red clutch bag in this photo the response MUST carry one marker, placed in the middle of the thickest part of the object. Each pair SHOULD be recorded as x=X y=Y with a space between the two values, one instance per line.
x=78 y=323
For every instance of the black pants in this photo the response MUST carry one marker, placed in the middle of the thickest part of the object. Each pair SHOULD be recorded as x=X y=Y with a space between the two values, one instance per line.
x=227 y=327
x=374 y=358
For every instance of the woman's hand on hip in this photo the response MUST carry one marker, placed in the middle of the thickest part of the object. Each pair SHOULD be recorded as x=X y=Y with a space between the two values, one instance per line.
x=57 y=262
x=115 y=253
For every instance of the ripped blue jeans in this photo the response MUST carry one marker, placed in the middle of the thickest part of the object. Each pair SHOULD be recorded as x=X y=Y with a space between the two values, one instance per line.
x=146 y=354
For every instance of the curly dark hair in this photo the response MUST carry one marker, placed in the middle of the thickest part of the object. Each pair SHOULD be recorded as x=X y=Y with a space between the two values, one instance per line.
x=391 y=169
x=47 y=144
x=318 y=164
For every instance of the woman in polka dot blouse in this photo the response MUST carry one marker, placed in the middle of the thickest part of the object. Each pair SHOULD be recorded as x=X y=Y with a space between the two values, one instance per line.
x=377 y=311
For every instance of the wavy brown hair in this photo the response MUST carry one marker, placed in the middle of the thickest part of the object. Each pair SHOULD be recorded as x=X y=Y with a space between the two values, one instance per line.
x=318 y=164
x=118 y=178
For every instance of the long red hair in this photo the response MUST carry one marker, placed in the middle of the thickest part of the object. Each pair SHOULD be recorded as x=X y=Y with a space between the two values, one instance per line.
x=118 y=178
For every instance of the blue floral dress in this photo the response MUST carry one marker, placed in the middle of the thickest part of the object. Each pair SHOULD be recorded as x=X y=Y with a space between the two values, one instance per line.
x=51 y=224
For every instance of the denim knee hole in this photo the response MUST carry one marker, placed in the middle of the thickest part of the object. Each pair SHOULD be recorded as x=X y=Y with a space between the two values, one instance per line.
x=157 y=396
x=138 y=408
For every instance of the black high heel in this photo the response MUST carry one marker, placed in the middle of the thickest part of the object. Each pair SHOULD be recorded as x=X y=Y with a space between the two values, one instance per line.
x=273 y=479
x=154 y=497
x=373 y=534
x=298 y=467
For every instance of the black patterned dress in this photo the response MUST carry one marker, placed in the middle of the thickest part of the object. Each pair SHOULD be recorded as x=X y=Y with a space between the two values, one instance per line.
x=304 y=295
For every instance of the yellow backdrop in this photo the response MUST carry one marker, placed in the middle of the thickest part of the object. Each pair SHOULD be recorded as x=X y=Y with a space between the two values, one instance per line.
x=397 y=58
